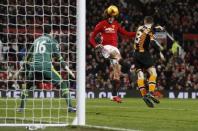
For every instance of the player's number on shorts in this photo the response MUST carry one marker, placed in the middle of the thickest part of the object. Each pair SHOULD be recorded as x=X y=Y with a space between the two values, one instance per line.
x=40 y=47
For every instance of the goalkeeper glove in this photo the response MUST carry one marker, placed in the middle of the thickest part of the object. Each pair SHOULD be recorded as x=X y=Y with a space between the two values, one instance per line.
x=70 y=72
x=162 y=56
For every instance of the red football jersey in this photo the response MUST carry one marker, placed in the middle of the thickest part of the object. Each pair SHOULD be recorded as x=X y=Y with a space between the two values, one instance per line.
x=109 y=33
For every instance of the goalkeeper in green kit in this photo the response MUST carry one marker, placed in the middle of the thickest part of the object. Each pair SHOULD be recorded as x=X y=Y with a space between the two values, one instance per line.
x=38 y=66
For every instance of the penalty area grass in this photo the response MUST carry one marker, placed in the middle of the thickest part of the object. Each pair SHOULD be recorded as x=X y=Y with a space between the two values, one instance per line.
x=132 y=114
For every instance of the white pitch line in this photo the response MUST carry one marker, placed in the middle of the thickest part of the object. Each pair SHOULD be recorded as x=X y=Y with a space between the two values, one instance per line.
x=110 y=128
x=30 y=124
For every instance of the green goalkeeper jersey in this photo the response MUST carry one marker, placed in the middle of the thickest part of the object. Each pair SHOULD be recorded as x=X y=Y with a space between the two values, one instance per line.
x=42 y=52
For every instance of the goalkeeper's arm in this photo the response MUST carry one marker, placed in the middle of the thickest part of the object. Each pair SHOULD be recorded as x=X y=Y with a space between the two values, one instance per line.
x=58 y=57
x=65 y=66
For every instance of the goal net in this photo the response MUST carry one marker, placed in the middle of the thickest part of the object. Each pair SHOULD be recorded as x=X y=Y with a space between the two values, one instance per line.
x=21 y=23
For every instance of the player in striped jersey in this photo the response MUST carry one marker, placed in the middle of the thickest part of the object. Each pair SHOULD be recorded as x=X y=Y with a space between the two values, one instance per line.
x=144 y=61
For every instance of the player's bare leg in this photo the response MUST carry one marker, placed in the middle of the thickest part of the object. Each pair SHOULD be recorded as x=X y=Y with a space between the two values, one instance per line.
x=115 y=81
x=143 y=91
x=115 y=75
x=113 y=54
x=152 y=84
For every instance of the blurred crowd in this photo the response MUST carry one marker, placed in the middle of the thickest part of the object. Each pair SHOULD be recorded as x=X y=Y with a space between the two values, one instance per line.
x=176 y=16
x=21 y=24
x=178 y=72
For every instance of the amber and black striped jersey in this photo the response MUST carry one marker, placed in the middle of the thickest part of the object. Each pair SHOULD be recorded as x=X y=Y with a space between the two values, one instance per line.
x=143 y=38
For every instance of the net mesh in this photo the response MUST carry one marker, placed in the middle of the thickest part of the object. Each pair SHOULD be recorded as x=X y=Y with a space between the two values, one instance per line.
x=23 y=21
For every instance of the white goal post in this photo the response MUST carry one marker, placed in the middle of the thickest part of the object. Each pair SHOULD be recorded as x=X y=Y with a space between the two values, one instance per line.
x=81 y=17
x=43 y=107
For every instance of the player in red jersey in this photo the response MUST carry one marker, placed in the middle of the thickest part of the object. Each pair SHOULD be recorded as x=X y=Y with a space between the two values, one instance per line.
x=108 y=30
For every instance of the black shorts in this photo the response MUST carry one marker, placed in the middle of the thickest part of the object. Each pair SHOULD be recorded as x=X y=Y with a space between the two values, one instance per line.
x=143 y=60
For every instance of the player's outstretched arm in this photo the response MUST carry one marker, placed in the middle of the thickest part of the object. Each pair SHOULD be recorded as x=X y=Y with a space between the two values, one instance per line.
x=159 y=27
x=66 y=67
x=70 y=72
x=122 y=31
x=58 y=56
x=156 y=45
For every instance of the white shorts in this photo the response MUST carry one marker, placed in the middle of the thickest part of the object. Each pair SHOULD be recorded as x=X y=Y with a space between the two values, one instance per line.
x=109 y=50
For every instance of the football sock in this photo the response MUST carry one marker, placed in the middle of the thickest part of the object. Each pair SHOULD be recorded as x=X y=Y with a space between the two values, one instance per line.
x=22 y=105
x=152 y=83
x=114 y=91
x=66 y=95
x=116 y=86
x=23 y=96
x=141 y=86
x=143 y=91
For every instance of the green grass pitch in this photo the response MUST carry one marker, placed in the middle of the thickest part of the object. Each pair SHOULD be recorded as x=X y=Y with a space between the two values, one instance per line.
x=169 y=115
